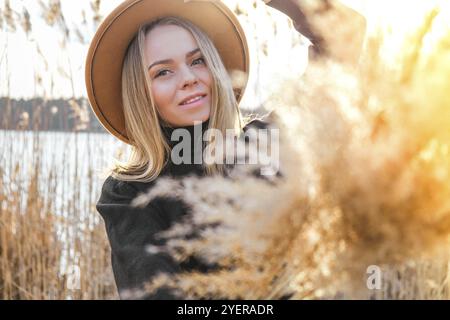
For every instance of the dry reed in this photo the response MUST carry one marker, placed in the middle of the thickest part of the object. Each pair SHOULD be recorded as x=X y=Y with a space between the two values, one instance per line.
x=366 y=182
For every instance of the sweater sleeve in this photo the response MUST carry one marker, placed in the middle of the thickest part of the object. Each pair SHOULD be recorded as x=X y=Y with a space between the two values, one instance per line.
x=130 y=231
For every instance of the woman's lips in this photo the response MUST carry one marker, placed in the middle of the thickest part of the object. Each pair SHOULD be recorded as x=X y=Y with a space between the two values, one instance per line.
x=194 y=104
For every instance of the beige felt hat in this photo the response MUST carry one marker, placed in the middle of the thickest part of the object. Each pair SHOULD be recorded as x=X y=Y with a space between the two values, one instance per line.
x=109 y=44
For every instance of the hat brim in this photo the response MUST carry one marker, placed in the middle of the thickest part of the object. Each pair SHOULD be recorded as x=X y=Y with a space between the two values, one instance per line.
x=108 y=48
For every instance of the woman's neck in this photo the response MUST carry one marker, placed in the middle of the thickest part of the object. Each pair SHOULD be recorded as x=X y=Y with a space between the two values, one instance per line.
x=182 y=140
x=191 y=129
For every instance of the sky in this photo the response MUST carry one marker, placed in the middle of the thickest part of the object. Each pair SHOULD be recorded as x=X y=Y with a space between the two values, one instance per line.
x=25 y=58
x=22 y=62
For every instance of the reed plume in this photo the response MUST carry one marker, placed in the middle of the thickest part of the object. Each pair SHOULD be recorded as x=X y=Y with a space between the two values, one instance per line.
x=365 y=166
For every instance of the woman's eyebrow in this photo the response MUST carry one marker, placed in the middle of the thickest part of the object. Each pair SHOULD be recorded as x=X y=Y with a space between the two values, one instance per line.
x=165 y=61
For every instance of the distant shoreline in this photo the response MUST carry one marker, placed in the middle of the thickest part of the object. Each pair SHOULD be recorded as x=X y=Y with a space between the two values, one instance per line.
x=38 y=114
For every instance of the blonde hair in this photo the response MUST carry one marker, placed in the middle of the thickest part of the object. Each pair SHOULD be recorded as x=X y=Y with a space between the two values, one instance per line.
x=149 y=148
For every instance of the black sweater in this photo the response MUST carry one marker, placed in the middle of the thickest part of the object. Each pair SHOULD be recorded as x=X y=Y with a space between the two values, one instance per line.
x=130 y=229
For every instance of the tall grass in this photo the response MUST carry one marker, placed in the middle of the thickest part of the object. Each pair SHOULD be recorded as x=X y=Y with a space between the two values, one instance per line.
x=49 y=249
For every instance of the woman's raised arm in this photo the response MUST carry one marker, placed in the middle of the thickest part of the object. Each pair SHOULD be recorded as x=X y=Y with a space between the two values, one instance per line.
x=335 y=30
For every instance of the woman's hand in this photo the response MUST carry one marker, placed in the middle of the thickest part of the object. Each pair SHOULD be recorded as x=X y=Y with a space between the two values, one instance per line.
x=299 y=20
x=335 y=30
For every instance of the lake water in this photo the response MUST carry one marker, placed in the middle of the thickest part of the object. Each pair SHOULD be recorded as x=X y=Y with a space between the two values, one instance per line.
x=69 y=164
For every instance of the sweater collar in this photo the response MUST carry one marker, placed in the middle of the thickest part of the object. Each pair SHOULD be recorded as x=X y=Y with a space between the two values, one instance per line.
x=197 y=145
x=168 y=130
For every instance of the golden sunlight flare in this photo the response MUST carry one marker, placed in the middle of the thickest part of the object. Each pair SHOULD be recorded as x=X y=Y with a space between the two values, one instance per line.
x=365 y=179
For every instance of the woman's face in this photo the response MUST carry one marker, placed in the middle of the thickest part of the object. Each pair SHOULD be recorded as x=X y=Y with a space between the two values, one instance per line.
x=178 y=71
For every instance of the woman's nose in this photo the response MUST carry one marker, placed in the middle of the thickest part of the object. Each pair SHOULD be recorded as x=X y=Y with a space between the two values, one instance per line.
x=188 y=77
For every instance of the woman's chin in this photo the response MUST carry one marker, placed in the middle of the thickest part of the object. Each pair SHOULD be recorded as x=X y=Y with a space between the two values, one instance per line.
x=187 y=119
x=202 y=115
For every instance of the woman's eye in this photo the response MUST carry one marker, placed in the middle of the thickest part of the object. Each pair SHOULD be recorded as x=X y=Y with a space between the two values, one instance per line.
x=199 y=59
x=161 y=73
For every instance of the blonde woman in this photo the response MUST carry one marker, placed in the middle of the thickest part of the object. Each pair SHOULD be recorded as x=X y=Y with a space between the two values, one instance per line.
x=159 y=69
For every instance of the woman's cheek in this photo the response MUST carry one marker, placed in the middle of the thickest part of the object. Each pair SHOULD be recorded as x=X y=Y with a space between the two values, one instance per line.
x=161 y=94
x=207 y=77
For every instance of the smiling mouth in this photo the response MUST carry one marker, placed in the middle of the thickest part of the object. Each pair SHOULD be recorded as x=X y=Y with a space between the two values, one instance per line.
x=193 y=102
x=200 y=97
